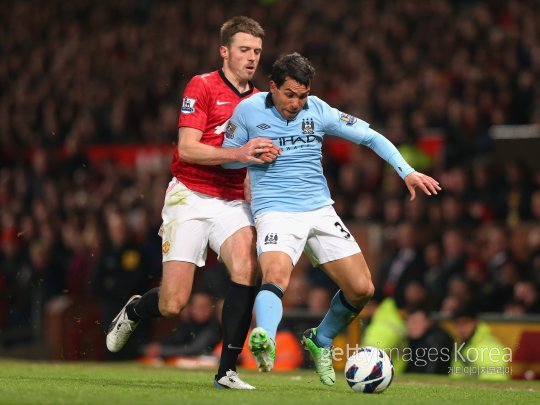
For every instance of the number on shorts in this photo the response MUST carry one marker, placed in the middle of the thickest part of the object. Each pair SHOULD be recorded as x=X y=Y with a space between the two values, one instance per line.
x=342 y=229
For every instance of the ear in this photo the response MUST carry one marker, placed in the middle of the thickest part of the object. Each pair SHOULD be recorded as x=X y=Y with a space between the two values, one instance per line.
x=273 y=86
x=224 y=52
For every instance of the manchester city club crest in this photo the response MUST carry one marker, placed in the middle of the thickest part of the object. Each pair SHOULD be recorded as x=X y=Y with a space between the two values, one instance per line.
x=308 y=127
x=271 y=239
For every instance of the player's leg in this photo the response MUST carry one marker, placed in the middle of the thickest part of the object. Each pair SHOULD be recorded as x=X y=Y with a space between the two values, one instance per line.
x=184 y=247
x=353 y=277
x=168 y=300
x=276 y=268
x=332 y=245
x=280 y=240
x=238 y=253
x=232 y=236
x=351 y=274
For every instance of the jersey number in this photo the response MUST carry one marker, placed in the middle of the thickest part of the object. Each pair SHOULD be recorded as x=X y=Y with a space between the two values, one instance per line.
x=343 y=230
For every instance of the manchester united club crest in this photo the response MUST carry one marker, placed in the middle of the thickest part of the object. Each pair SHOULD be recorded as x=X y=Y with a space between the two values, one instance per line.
x=166 y=247
x=308 y=128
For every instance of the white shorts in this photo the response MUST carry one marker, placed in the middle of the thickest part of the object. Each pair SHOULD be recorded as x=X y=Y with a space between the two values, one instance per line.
x=320 y=234
x=192 y=221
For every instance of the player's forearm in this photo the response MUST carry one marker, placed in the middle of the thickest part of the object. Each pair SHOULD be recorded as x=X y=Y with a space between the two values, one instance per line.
x=386 y=150
x=202 y=154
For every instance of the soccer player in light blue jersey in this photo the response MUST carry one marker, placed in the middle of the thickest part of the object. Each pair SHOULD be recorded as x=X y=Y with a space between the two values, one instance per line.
x=293 y=209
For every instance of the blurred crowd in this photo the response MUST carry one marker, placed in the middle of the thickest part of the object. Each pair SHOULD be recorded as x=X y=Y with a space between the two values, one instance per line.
x=81 y=73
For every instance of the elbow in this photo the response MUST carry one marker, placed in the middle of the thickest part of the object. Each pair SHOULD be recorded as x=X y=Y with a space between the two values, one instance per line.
x=184 y=156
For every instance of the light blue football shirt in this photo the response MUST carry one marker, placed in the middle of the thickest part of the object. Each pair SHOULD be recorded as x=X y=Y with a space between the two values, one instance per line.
x=295 y=182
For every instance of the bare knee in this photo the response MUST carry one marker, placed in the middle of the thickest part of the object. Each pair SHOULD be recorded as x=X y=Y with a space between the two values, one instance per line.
x=238 y=254
x=361 y=291
x=245 y=272
x=171 y=307
x=276 y=275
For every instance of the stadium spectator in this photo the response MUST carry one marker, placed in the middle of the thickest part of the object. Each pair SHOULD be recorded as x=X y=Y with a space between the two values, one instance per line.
x=478 y=354
x=404 y=265
x=430 y=345
x=119 y=273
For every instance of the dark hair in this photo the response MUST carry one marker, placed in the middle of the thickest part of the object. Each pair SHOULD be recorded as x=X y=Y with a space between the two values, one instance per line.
x=419 y=308
x=240 y=24
x=465 y=311
x=294 y=66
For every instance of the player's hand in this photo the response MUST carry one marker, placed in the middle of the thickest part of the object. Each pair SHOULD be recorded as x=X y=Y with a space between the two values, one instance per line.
x=258 y=150
x=425 y=183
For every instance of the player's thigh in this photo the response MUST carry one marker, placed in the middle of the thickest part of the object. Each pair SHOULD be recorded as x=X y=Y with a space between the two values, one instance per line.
x=238 y=253
x=329 y=238
x=281 y=238
x=186 y=228
x=176 y=284
x=352 y=276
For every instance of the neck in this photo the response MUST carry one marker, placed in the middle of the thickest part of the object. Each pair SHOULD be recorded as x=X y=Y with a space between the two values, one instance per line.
x=241 y=85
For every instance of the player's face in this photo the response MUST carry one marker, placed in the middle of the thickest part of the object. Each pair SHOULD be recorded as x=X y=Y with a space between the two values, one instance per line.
x=241 y=58
x=289 y=98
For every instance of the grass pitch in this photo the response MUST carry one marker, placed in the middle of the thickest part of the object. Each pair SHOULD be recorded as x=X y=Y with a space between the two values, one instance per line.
x=131 y=383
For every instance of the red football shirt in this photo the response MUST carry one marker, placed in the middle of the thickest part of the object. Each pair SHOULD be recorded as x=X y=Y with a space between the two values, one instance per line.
x=208 y=103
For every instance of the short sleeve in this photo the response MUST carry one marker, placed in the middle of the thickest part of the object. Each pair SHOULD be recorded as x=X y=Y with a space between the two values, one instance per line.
x=236 y=133
x=194 y=108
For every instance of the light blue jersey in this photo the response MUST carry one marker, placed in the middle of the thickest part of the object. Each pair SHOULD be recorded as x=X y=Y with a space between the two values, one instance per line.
x=295 y=182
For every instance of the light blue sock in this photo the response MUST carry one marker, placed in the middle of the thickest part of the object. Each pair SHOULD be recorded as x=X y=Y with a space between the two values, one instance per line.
x=338 y=317
x=269 y=309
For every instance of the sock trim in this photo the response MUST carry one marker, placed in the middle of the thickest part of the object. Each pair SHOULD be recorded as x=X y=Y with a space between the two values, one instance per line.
x=346 y=303
x=233 y=284
x=273 y=288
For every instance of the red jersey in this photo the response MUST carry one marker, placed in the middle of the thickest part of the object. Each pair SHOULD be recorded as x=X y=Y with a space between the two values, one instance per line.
x=207 y=105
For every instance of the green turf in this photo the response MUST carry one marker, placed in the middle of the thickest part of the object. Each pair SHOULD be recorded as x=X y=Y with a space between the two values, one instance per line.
x=130 y=383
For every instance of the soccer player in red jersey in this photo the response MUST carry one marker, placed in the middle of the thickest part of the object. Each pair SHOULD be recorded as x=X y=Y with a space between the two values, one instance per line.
x=205 y=205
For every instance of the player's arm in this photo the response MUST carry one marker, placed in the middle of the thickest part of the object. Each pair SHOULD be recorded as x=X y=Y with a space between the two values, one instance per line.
x=386 y=150
x=192 y=150
x=237 y=137
x=192 y=122
x=358 y=131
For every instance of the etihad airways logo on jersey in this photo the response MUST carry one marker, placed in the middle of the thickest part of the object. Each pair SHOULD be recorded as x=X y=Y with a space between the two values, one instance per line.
x=299 y=140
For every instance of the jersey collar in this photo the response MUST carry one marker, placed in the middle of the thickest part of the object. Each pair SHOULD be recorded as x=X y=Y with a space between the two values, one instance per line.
x=228 y=83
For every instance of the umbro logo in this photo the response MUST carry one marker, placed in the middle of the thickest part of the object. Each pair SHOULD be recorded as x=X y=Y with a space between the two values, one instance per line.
x=271 y=239
x=222 y=102
x=263 y=126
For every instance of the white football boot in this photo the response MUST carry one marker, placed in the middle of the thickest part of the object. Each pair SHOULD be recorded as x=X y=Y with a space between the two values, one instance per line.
x=232 y=380
x=121 y=328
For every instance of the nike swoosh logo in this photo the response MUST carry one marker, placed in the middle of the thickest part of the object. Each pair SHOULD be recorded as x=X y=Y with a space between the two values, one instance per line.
x=233 y=347
x=222 y=102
